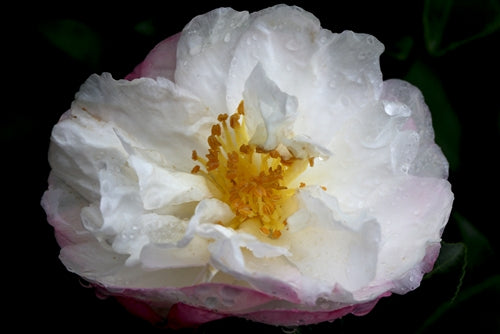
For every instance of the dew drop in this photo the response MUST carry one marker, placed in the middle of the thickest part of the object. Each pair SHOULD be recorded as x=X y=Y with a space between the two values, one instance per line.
x=345 y=101
x=290 y=330
x=227 y=37
x=210 y=302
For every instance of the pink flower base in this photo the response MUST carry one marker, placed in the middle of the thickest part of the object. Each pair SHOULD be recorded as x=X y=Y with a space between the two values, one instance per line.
x=182 y=315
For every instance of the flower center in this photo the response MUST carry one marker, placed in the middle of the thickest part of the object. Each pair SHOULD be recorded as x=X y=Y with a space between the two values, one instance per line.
x=252 y=181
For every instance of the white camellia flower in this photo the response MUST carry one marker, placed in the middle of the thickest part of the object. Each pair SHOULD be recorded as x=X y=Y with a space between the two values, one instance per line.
x=254 y=165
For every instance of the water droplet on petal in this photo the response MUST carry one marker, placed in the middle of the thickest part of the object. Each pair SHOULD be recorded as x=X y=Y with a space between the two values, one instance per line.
x=210 y=302
x=227 y=37
x=345 y=101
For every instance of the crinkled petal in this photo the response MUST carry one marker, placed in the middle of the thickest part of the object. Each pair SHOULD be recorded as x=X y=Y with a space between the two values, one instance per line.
x=81 y=146
x=161 y=185
x=152 y=114
x=337 y=250
x=340 y=71
x=63 y=208
x=270 y=116
x=403 y=100
x=204 y=55
x=412 y=212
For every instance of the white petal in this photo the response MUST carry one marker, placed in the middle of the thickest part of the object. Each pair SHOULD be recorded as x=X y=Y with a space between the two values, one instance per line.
x=195 y=253
x=91 y=260
x=281 y=38
x=81 y=146
x=63 y=207
x=161 y=185
x=270 y=112
x=333 y=247
x=429 y=159
x=153 y=114
x=120 y=204
x=270 y=116
x=204 y=55
x=331 y=75
x=412 y=212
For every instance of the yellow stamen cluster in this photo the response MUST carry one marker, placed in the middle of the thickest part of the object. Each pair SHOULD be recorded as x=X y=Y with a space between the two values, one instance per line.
x=252 y=181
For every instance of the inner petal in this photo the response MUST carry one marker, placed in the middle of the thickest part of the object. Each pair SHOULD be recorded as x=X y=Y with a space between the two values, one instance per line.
x=254 y=182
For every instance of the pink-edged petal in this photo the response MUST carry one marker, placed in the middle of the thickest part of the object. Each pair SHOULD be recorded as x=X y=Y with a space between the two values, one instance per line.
x=160 y=62
x=196 y=305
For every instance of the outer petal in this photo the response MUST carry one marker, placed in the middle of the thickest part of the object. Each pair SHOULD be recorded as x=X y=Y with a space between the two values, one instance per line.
x=402 y=100
x=412 y=212
x=205 y=52
x=152 y=114
x=334 y=82
x=160 y=62
x=63 y=207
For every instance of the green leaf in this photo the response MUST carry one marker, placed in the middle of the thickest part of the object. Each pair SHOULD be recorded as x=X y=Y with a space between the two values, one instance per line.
x=436 y=13
x=74 y=38
x=452 y=256
x=145 y=28
x=479 y=248
x=449 y=24
x=445 y=122
x=489 y=285
x=401 y=49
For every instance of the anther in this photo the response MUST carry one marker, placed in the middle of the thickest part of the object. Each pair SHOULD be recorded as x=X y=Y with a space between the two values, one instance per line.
x=234 y=120
x=216 y=130
x=245 y=148
x=222 y=117
x=195 y=169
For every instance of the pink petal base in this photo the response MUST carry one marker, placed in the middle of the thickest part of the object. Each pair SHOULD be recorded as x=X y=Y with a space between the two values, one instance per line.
x=182 y=315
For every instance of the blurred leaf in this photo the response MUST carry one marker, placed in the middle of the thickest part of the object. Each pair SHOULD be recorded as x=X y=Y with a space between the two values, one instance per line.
x=145 y=28
x=490 y=284
x=74 y=38
x=449 y=24
x=401 y=49
x=435 y=17
x=444 y=119
x=479 y=248
x=451 y=257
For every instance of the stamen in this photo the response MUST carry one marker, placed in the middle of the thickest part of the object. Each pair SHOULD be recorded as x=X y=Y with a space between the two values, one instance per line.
x=252 y=181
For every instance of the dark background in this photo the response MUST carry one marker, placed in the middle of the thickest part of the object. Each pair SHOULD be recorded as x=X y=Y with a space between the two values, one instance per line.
x=449 y=49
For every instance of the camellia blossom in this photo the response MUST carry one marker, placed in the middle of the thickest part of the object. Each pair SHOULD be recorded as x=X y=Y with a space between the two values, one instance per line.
x=254 y=165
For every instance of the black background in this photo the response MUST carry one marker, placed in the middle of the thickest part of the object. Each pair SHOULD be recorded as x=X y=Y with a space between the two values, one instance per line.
x=41 y=80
